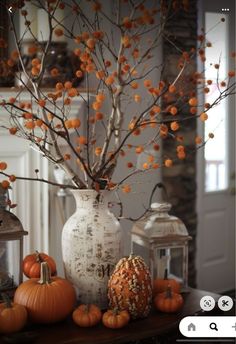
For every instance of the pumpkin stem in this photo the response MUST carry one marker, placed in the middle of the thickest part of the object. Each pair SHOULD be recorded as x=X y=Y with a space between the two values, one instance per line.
x=115 y=311
x=168 y=292
x=86 y=308
x=166 y=274
x=45 y=274
x=38 y=257
x=6 y=300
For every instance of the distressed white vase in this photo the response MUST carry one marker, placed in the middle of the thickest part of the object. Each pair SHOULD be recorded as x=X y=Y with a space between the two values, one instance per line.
x=91 y=246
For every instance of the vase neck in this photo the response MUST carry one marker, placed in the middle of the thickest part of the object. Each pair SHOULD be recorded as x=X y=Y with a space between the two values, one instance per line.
x=90 y=199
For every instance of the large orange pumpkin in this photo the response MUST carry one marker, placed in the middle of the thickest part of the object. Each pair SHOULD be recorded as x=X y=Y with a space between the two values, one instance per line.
x=31 y=264
x=130 y=287
x=48 y=299
x=13 y=317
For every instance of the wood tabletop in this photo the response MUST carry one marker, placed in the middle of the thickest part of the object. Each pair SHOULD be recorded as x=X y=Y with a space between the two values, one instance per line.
x=155 y=324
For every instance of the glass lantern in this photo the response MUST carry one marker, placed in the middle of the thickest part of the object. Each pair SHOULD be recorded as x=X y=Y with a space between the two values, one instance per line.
x=162 y=240
x=11 y=248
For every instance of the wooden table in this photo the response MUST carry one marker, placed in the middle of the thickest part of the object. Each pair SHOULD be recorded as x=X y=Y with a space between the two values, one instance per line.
x=155 y=325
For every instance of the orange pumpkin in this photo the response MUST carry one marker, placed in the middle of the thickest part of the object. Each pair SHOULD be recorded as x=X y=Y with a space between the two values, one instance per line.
x=130 y=287
x=31 y=264
x=160 y=285
x=115 y=319
x=87 y=315
x=48 y=299
x=13 y=317
x=168 y=302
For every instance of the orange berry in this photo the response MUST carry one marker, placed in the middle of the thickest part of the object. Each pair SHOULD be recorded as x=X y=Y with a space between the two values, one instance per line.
x=198 y=140
x=107 y=63
x=12 y=178
x=3 y=165
x=98 y=116
x=231 y=73
x=109 y=80
x=137 y=98
x=156 y=147
x=168 y=163
x=130 y=164
x=211 y=135
x=82 y=140
x=96 y=105
x=156 y=109
x=139 y=149
x=155 y=166
x=203 y=116
x=172 y=89
x=100 y=97
x=85 y=35
x=217 y=66
x=181 y=155
x=100 y=74
x=147 y=83
x=145 y=165
x=96 y=6
x=151 y=158
x=173 y=110
x=12 y=100
x=193 y=110
x=98 y=151
x=68 y=85
x=223 y=84
x=35 y=62
x=91 y=43
x=193 y=101
x=27 y=115
x=35 y=71
x=174 y=126
x=54 y=72
x=67 y=101
x=13 y=130
x=75 y=123
x=58 y=32
x=79 y=73
x=5 y=184
x=77 y=52
x=39 y=122
x=126 y=188
x=72 y=92
x=67 y=156
x=59 y=86
x=180 y=148
x=30 y=125
x=42 y=102
x=134 y=85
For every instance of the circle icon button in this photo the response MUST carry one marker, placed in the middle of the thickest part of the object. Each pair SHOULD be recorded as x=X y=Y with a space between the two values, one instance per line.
x=225 y=303
x=207 y=303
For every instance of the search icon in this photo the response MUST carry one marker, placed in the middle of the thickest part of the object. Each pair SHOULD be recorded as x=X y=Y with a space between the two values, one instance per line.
x=213 y=326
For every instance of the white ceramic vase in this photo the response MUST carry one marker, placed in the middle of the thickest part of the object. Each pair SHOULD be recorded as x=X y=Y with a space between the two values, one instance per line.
x=91 y=246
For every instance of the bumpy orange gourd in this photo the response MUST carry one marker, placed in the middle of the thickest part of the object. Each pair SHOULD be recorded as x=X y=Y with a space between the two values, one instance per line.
x=31 y=264
x=87 y=315
x=168 y=301
x=161 y=284
x=13 y=317
x=48 y=299
x=115 y=319
x=130 y=287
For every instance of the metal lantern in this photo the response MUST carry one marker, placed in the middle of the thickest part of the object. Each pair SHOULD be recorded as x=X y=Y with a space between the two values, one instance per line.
x=162 y=240
x=11 y=247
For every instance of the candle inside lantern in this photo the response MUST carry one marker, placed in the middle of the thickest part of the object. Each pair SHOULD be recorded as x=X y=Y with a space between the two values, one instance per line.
x=43 y=25
x=31 y=17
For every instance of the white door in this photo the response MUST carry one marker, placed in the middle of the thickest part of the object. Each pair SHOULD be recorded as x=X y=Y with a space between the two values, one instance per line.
x=216 y=164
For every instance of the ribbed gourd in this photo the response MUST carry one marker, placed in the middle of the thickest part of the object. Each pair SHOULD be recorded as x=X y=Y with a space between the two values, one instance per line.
x=130 y=287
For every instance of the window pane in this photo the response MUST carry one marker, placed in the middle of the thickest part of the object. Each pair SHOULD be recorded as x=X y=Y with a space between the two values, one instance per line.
x=216 y=149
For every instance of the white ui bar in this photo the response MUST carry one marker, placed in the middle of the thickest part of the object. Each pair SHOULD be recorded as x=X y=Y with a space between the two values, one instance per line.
x=204 y=326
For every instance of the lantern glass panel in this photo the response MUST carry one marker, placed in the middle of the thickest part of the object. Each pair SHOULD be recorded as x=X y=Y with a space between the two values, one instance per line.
x=9 y=266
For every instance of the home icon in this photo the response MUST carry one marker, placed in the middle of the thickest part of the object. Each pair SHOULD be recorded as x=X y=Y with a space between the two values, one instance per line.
x=191 y=327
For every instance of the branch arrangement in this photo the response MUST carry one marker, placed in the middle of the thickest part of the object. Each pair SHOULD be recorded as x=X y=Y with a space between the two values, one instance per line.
x=117 y=54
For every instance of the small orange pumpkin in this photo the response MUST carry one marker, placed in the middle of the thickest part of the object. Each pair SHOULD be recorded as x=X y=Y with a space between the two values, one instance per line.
x=31 y=264
x=168 y=302
x=160 y=285
x=13 y=317
x=115 y=319
x=87 y=315
x=48 y=299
